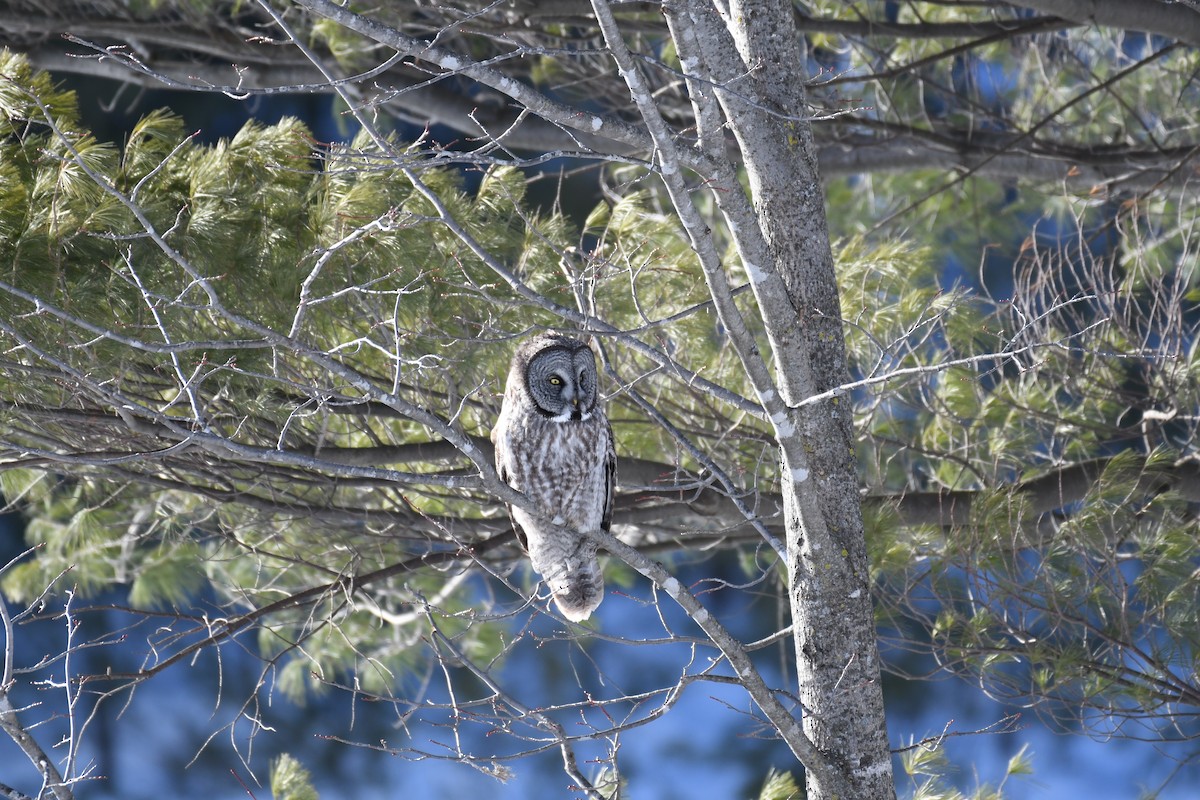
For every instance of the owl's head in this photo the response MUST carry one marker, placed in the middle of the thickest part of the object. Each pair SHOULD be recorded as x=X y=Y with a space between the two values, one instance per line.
x=559 y=376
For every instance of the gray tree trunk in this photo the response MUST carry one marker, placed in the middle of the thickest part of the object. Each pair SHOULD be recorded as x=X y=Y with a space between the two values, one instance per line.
x=829 y=577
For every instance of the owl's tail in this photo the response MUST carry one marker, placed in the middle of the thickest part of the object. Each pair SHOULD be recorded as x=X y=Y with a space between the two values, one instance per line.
x=579 y=588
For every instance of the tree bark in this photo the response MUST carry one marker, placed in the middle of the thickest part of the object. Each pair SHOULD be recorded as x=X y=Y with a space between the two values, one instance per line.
x=828 y=571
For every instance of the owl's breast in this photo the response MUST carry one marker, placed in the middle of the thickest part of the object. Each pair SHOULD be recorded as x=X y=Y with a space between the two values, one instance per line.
x=561 y=466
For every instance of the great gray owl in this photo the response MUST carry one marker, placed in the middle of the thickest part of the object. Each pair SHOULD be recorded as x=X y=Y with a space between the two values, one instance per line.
x=554 y=443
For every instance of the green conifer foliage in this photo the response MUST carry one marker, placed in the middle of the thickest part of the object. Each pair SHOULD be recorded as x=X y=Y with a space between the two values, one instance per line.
x=212 y=359
x=200 y=344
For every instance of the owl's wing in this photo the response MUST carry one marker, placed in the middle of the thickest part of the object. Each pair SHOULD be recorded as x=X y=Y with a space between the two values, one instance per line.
x=502 y=470
x=610 y=482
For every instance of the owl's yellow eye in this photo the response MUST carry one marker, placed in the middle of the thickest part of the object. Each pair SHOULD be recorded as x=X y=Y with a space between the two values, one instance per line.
x=555 y=380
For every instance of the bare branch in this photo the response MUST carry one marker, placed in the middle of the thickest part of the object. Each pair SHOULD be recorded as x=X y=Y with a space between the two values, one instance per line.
x=11 y=724
x=1171 y=20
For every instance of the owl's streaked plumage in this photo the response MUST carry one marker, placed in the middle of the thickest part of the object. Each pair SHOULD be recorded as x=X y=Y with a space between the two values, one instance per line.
x=554 y=444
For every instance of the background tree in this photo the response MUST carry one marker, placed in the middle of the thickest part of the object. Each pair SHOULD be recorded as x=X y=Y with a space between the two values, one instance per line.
x=280 y=359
